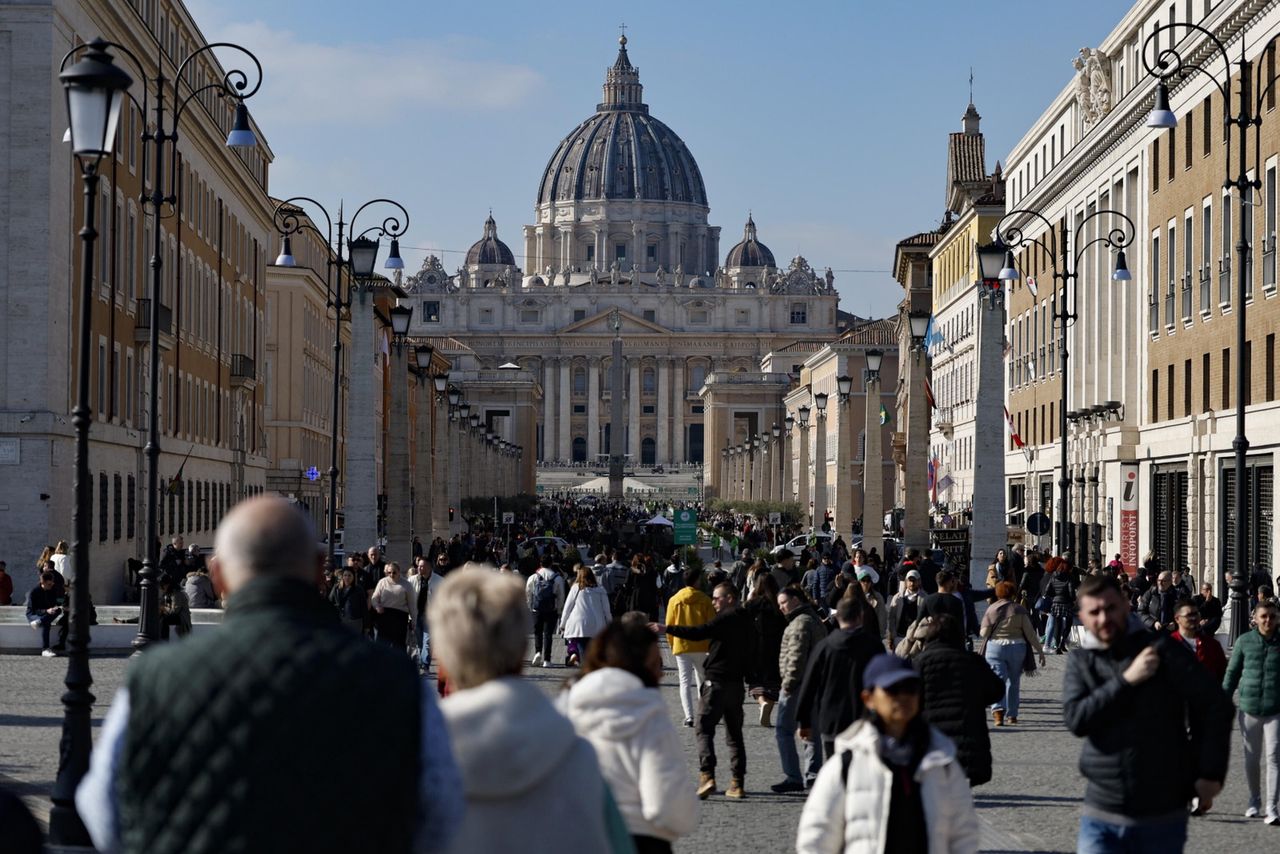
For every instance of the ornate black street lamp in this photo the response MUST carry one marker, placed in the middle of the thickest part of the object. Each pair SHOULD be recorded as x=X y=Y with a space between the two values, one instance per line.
x=361 y=256
x=1057 y=244
x=95 y=88
x=1170 y=67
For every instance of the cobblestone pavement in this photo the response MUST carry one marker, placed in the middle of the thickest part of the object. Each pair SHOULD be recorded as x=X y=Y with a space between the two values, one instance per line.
x=1033 y=804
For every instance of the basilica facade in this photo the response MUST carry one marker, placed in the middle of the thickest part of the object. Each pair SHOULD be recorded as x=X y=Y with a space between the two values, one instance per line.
x=620 y=222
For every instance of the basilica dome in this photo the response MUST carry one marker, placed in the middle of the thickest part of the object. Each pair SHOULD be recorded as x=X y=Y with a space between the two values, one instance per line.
x=750 y=252
x=489 y=249
x=622 y=152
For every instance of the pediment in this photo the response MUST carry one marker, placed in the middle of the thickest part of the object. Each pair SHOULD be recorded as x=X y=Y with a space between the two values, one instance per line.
x=599 y=324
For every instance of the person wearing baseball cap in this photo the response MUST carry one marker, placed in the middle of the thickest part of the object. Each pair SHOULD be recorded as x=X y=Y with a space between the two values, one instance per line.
x=923 y=802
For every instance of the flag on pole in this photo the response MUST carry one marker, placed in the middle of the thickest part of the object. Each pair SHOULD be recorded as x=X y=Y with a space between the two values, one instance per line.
x=884 y=415
x=928 y=394
x=930 y=478
x=1013 y=433
x=175 y=482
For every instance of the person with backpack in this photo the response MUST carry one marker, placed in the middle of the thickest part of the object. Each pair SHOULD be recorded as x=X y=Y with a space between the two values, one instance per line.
x=896 y=784
x=821 y=579
x=545 y=593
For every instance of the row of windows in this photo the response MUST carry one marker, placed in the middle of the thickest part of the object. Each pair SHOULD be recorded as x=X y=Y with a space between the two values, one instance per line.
x=696 y=376
x=183 y=507
x=799 y=315
x=1176 y=274
x=1180 y=397
x=1037 y=425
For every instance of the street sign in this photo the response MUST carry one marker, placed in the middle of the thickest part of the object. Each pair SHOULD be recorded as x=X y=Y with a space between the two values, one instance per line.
x=1037 y=524
x=775 y=518
x=686 y=527
x=508 y=518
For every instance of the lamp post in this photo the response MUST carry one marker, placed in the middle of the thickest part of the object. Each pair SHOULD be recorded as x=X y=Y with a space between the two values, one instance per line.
x=398 y=464
x=766 y=466
x=775 y=493
x=95 y=88
x=844 y=458
x=165 y=192
x=1169 y=65
x=422 y=480
x=361 y=257
x=872 y=465
x=1057 y=245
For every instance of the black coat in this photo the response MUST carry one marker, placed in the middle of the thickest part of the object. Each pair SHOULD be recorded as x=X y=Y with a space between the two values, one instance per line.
x=732 y=656
x=957 y=686
x=1058 y=589
x=1158 y=607
x=769 y=626
x=830 y=697
x=1146 y=744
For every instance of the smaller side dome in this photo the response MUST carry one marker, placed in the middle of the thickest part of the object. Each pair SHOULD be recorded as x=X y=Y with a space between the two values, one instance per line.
x=489 y=249
x=750 y=252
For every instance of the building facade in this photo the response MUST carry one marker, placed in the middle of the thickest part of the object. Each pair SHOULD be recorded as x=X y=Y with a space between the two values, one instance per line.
x=214 y=242
x=621 y=222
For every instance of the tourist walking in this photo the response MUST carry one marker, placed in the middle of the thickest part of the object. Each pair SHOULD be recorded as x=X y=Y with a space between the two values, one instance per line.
x=1011 y=638
x=804 y=632
x=894 y=784
x=1255 y=670
x=424 y=581
x=1203 y=645
x=278 y=674
x=350 y=600
x=728 y=666
x=617 y=706
x=586 y=613
x=544 y=594
x=689 y=607
x=957 y=686
x=393 y=606
x=1059 y=594
x=1156 y=726
x=531 y=784
x=769 y=623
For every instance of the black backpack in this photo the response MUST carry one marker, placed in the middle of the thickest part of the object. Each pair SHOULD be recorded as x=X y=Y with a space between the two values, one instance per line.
x=544 y=595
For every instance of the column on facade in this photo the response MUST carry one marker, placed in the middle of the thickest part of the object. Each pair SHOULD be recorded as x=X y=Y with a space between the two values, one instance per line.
x=422 y=481
x=820 y=472
x=439 y=466
x=662 y=450
x=549 y=381
x=593 y=409
x=599 y=237
x=674 y=236
x=785 y=491
x=453 y=483
x=637 y=246
x=360 y=472
x=767 y=455
x=844 y=465
x=872 y=473
x=566 y=410
x=803 y=496
x=987 y=530
x=633 y=413
x=398 y=472
x=678 y=410
x=566 y=243
x=915 y=523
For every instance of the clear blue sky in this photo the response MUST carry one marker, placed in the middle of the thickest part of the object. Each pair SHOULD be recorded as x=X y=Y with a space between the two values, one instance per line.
x=828 y=120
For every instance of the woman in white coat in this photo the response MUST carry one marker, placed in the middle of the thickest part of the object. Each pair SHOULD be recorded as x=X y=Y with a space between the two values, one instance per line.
x=894 y=784
x=617 y=707
x=586 y=613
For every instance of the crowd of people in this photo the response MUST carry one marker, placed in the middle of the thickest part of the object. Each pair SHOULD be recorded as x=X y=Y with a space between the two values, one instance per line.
x=880 y=679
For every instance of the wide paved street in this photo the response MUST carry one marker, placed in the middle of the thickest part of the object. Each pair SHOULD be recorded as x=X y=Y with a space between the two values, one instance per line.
x=1033 y=804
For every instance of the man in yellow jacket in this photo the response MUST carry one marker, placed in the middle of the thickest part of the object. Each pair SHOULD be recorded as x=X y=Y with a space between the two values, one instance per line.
x=689 y=607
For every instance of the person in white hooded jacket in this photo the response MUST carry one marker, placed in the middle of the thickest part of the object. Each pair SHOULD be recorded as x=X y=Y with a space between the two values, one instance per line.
x=518 y=756
x=894 y=784
x=617 y=707
x=586 y=613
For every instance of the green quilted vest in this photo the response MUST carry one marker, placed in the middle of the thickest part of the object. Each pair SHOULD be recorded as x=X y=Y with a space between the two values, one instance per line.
x=281 y=731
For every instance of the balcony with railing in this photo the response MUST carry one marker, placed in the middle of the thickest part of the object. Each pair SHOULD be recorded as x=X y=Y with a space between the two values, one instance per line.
x=1269 y=263
x=1206 y=290
x=1224 y=280
x=1186 y=298
x=142 y=324
x=243 y=371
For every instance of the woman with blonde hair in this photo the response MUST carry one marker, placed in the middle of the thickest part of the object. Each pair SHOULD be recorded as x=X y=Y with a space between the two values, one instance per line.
x=586 y=613
x=393 y=604
x=517 y=754
x=60 y=562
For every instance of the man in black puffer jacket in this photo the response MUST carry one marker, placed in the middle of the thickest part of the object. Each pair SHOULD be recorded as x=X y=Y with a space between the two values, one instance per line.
x=1157 y=727
x=830 y=698
x=956 y=688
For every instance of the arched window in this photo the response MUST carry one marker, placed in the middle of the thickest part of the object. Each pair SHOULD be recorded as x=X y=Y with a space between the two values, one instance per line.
x=649 y=383
x=579 y=449
x=579 y=381
x=697 y=376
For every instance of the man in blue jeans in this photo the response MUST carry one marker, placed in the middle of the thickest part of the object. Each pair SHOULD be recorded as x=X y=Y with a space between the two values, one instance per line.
x=1156 y=724
x=424 y=583
x=804 y=632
